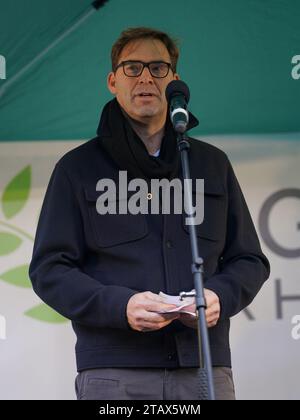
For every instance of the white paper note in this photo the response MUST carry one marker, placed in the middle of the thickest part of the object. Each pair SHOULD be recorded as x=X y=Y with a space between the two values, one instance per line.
x=186 y=305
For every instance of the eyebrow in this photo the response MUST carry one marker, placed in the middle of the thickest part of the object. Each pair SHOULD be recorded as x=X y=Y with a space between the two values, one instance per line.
x=142 y=61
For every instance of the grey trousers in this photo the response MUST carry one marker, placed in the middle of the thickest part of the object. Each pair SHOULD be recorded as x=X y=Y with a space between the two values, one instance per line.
x=150 y=384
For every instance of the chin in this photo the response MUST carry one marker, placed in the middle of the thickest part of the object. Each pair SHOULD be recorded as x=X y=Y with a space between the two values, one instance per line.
x=146 y=112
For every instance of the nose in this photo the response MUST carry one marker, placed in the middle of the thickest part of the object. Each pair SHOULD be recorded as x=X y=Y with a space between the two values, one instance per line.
x=146 y=76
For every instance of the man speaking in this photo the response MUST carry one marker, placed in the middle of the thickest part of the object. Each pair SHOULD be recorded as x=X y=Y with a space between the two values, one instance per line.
x=105 y=272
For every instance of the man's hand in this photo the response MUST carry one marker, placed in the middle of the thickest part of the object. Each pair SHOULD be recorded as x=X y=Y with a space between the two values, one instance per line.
x=212 y=312
x=142 y=313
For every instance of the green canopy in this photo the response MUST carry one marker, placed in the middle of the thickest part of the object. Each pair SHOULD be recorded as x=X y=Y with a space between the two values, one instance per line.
x=236 y=56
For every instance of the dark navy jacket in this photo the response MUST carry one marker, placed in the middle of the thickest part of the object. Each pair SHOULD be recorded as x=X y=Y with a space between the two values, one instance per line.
x=87 y=266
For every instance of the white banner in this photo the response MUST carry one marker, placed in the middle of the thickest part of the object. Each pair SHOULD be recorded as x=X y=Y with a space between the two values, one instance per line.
x=37 y=345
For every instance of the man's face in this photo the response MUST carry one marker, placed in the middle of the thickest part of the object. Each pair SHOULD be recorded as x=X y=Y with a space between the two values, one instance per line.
x=129 y=90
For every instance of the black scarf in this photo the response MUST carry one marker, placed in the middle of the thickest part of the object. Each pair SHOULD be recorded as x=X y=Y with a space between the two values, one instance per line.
x=129 y=152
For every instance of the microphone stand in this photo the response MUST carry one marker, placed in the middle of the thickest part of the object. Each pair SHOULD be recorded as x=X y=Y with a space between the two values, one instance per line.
x=205 y=366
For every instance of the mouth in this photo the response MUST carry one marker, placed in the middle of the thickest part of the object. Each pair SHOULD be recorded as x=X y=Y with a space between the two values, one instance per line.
x=145 y=95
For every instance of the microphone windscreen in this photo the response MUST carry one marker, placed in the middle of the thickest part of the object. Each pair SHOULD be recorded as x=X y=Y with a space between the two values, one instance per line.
x=177 y=87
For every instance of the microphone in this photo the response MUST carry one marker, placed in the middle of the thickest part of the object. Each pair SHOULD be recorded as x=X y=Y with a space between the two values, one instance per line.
x=178 y=96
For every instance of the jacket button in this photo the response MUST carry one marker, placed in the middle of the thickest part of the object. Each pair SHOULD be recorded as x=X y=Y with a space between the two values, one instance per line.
x=171 y=356
x=169 y=244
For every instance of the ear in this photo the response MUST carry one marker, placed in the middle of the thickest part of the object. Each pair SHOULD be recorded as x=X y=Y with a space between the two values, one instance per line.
x=111 y=83
x=176 y=76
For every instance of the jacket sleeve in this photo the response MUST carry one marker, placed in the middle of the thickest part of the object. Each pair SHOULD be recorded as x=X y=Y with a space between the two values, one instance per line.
x=58 y=254
x=243 y=266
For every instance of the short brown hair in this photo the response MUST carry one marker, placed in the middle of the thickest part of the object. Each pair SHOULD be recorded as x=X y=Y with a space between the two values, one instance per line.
x=134 y=34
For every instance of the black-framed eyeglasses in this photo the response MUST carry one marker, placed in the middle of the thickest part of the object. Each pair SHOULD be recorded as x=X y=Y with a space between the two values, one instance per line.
x=134 y=68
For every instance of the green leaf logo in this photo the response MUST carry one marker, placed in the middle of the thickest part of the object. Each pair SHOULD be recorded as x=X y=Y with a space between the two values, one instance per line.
x=16 y=193
x=45 y=314
x=13 y=200
x=17 y=276
x=8 y=243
